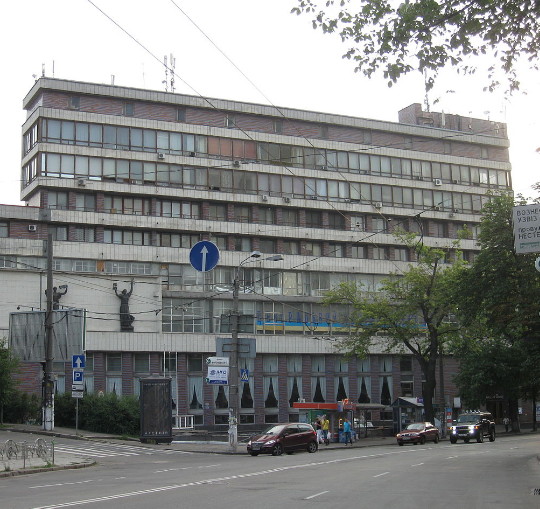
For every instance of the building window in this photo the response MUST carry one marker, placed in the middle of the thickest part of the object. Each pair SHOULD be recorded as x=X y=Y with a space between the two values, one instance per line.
x=289 y=217
x=59 y=232
x=358 y=223
x=267 y=215
x=141 y=363
x=380 y=253
x=57 y=200
x=291 y=247
x=312 y=248
x=230 y=120
x=379 y=225
x=4 y=230
x=181 y=114
x=195 y=363
x=242 y=214
x=336 y=221
x=267 y=246
x=405 y=364
x=407 y=386
x=217 y=212
x=313 y=219
x=114 y=362
x=278 y=126
x=84 y=234
x=401 y=254
x=358 y=251
x=74 y=102
x=242 y=244
x=184 y=316
x=85 y=201
x=128 y=109
x=336 y=250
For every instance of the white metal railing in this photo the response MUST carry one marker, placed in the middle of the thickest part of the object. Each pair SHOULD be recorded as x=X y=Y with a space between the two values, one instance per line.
x=183 y=421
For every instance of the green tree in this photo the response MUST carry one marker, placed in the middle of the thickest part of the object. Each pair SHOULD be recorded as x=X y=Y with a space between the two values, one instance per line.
x=427 y=35
x=8 y=367
x=410 y=313
x=500 y=293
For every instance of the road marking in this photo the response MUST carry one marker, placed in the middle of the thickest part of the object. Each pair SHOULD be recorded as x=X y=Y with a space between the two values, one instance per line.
x=186 y=468
x=417 y=465
x=219 y=479
x=451 y=457
x=61 y=484
x=380 y=475
x=316 y=495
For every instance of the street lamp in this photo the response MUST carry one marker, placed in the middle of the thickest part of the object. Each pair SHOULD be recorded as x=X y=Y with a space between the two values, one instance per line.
x=233 y=355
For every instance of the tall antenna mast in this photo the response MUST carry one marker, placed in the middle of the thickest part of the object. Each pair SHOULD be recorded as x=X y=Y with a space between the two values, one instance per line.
x=166 y=81
x=173 y=65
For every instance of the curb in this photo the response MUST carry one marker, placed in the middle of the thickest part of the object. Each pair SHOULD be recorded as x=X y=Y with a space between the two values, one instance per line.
x=39 y=470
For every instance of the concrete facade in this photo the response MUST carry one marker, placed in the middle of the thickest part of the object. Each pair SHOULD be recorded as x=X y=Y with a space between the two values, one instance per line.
x=128 y=180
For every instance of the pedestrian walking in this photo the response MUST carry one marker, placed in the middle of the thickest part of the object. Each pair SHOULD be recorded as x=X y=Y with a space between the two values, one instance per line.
x=347 y=431
x=325 y=424
x=318 y=429
x=506 y=422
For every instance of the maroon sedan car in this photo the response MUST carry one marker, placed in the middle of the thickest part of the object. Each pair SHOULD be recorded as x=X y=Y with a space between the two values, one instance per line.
x=418 y=433
x=282 y=438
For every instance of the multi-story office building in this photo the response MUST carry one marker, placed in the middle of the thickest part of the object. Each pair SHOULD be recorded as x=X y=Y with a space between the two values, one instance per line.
x=128 y=180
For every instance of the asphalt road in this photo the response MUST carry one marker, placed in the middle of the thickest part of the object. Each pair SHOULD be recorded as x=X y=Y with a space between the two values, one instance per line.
x=490 y=475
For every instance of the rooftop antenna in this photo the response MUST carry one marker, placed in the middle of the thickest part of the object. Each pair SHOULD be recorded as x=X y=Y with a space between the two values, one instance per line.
x=166 y=81
x=112 y=79
x=42 y=70
x=53 y=68
x=173 y=65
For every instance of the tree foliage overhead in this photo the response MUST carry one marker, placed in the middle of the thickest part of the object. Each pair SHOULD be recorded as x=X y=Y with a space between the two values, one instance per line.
x=427 y=35
x=410 y=313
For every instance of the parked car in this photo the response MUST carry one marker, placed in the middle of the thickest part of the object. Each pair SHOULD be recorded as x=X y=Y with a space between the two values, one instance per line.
x=473 y=425
x=418 y=433
x=289 y=437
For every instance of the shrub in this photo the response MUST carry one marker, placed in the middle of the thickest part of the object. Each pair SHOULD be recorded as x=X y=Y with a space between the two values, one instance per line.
x=103 y=414
x=22 y=407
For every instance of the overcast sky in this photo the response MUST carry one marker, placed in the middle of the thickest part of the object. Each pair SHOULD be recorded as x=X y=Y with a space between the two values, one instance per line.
x=290 y=63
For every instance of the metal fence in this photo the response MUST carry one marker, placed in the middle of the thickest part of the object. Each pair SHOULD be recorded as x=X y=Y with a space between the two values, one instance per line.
x=183 y=421
x=23 y=451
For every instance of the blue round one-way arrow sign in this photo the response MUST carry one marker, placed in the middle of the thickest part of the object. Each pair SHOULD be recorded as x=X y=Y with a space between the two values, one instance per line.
x=204 y=256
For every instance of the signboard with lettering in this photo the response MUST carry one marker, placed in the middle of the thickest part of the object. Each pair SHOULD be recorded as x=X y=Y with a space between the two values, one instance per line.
x=527 y=228
x=218 y=375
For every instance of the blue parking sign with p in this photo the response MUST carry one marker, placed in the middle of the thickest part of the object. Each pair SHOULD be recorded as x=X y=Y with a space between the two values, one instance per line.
x=78 y=376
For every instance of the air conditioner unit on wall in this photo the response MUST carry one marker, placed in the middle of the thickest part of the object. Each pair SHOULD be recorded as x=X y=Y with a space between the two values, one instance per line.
x=264 y=197
x=378 y=204
x=161 y=155
x=286 y=199
x=32 y=227
x=437 y=182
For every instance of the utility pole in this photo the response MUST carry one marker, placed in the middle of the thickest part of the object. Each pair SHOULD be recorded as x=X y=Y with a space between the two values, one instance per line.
x=233 y=355
x=233 y=366
x=48 y=377
x=441 y=392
